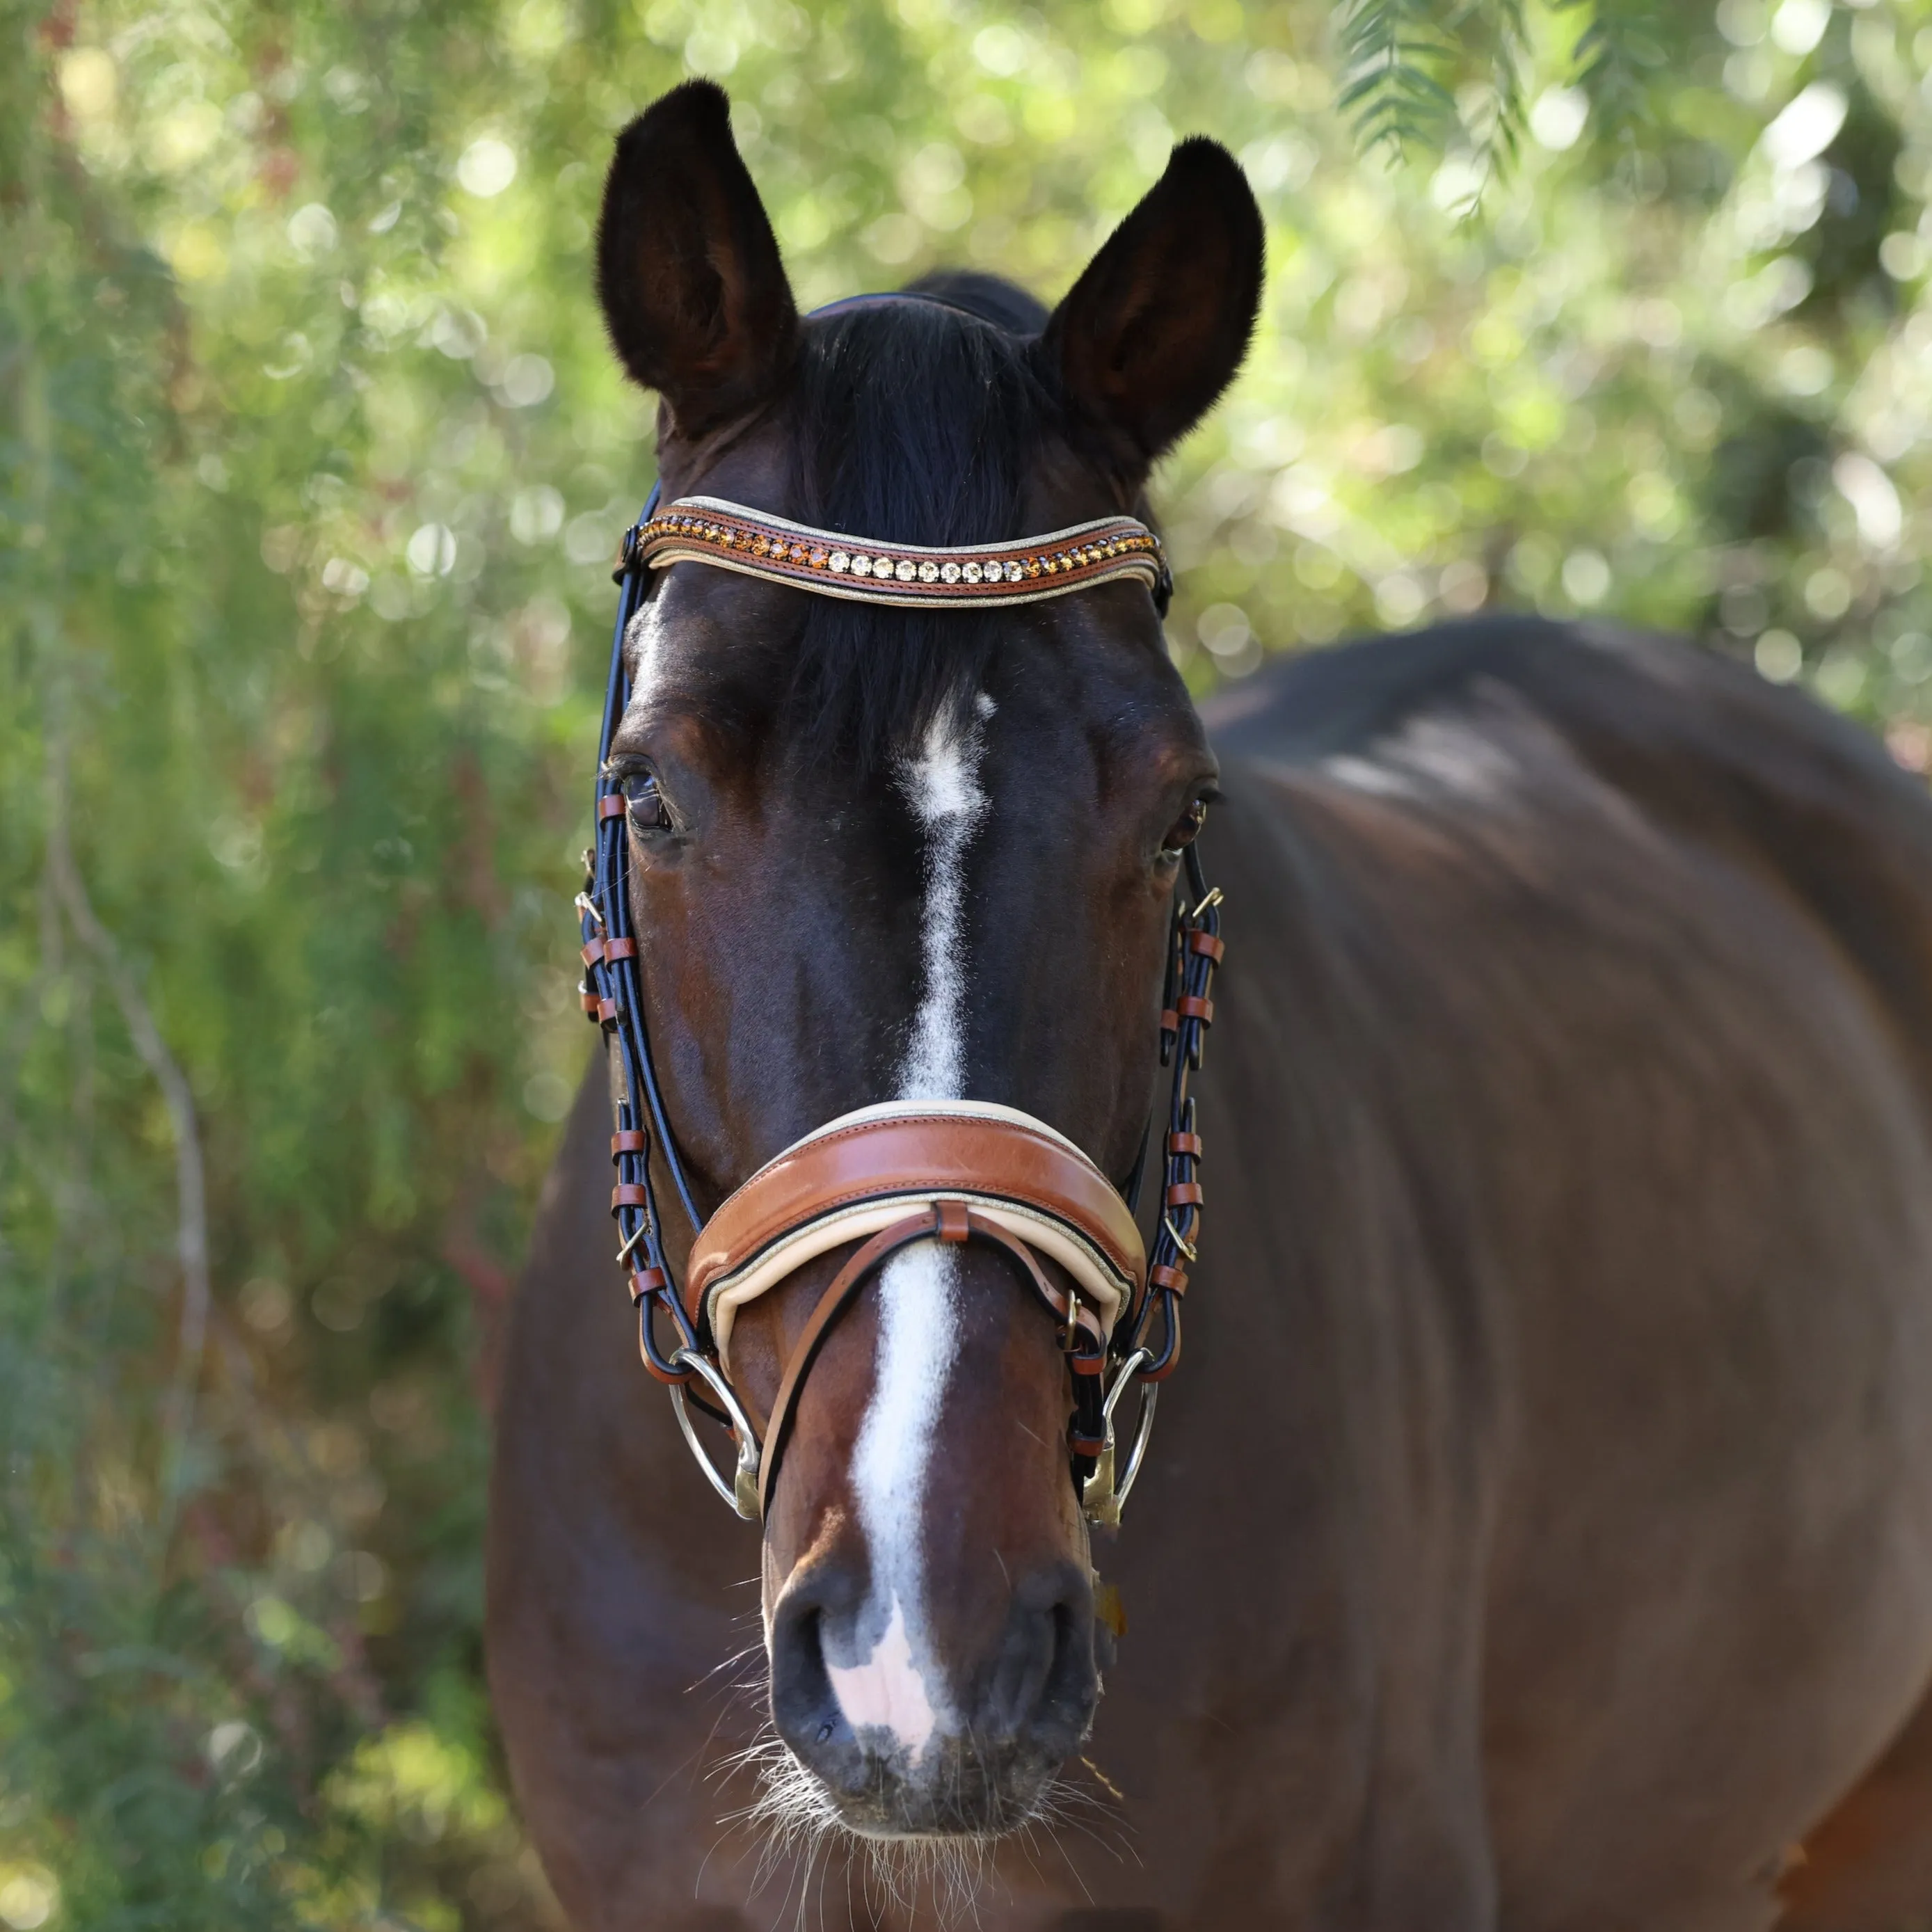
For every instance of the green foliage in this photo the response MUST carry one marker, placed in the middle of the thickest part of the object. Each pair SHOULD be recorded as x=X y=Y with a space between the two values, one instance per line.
x=1406 y=62
x=1425 y=74
x=311 y=460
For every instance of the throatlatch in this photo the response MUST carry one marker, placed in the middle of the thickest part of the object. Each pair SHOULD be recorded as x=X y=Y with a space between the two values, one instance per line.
x=886 y=1176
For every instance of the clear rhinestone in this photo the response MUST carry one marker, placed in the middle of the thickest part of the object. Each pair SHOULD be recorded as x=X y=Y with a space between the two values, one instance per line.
x=906 y=570
x=971 y=572
x=861 y=565
x=928 y=572
x=995 y=571
x=882 y=566
x=949 y=572
x=839 y=561
x=1015 y=572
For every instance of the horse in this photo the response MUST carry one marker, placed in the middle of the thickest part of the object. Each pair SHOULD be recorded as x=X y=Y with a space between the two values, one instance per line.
x=1538 y=1532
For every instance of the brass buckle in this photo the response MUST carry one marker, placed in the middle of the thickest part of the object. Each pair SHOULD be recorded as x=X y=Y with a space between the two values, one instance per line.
x=1102 y=1496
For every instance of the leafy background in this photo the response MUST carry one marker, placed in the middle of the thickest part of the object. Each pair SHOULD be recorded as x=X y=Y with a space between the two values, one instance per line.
x=311 y=460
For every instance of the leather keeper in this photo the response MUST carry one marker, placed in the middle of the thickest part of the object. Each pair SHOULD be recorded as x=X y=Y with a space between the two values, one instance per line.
x=1089 y=1363
x=677 y=1381
x=1170 y=1021
x=1184 y=1194
x=1085 y=1445
x=1160 y=1375
x=629 y=1140
x=647 y=1281
x=587 y=1000
x=620 y=948
x=593 y=953
x=612 y=805
x=1173 y=1279
x=627 y=1195
x=1207 y=945
x=606 y=1011
x=1193 y=1008
x=1184 y=1144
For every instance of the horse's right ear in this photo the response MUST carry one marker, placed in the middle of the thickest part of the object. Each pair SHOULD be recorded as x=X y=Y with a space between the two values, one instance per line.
x=695 y=295
x=1157 y=326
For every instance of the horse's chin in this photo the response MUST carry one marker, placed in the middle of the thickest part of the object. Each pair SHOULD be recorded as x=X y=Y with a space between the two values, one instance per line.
x=955 y=1789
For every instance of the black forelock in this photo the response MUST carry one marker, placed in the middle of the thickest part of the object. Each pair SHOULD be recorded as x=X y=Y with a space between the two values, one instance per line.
x=915 y=421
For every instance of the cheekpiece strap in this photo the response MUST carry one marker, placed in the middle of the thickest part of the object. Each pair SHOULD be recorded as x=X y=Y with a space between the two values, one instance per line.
x=707 y=529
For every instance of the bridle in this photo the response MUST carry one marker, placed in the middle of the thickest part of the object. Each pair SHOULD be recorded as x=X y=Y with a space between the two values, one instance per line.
x=951 y=1171
x=954 y=1171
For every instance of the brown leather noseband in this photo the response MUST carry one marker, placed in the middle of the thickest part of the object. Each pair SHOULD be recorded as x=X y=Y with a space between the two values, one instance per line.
x=952 y=1171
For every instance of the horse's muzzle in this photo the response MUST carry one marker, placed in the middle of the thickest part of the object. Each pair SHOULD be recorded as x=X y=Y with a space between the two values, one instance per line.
x=1005 y=1721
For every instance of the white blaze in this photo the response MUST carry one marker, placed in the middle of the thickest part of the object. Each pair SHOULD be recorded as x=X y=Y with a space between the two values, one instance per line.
x=943 y=785
x=918 y=1293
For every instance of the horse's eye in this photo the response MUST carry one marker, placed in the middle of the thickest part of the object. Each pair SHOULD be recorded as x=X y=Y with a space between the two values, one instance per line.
x=648 y=811
x=1185 y=829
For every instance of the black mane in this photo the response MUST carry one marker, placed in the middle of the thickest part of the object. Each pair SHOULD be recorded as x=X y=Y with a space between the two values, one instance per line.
x=914 y=421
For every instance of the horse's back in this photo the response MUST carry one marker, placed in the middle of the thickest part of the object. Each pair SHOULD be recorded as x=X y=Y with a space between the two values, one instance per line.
x=1639 y=948
x=1701 y=744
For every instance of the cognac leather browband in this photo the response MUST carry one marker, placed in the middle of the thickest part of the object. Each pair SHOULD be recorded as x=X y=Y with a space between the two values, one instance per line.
x=951 y=1172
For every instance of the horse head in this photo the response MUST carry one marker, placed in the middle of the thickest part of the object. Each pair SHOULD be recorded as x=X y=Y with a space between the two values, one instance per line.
x=916 y=855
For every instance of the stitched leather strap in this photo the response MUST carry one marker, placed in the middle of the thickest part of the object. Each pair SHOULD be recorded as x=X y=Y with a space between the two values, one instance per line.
x=946 y=1221
x=729 y=536
x=858 y=1175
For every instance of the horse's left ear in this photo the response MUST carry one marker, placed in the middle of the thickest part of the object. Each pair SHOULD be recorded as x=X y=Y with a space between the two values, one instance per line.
x=1156 y=328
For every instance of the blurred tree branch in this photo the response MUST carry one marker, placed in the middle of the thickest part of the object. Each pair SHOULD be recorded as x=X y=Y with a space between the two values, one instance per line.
x=190 y=1185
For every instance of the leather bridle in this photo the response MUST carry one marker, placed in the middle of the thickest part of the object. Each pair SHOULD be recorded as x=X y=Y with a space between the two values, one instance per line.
x=954 y=1172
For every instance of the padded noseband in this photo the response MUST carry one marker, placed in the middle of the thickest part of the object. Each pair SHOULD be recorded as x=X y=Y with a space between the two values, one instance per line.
x=950 y=1171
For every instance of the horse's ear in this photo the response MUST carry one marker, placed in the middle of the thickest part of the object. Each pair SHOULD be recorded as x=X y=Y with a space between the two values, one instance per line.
x=1154 y=330
x=695 y=295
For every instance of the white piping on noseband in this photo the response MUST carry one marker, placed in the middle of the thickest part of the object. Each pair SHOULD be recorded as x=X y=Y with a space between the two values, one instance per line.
x=1103 y=1291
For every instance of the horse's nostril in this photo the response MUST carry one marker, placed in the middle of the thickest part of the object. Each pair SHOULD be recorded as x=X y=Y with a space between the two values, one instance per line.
x=1043 y=1688
x=1072 y=1684
x=804 y=1707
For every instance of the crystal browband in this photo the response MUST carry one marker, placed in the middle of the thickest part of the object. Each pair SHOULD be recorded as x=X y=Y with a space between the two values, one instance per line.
x=705 y=529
